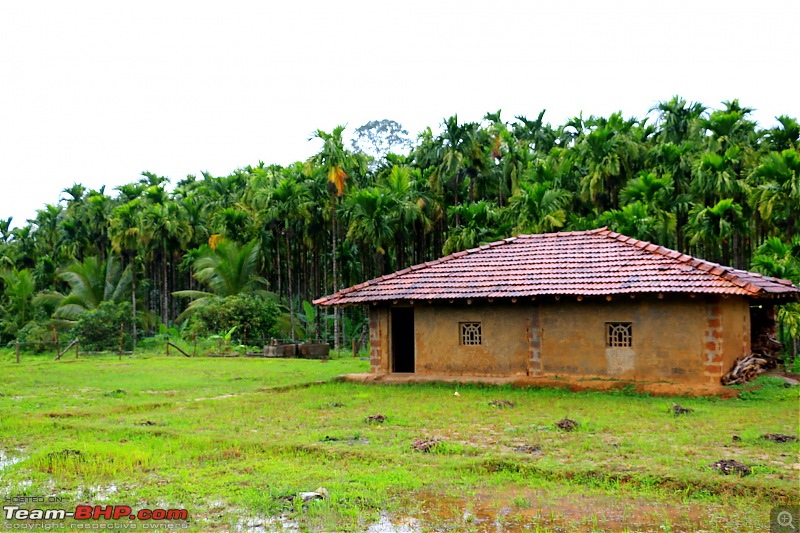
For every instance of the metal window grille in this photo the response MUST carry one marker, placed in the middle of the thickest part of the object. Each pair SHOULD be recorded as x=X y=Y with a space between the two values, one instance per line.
x=471 y=333
x=619 y=334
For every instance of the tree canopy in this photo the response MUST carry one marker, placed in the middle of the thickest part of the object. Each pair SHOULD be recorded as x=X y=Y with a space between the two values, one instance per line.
x=706 y=182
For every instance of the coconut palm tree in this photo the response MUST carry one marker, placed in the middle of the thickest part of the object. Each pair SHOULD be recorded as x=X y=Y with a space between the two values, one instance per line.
x=91 y=282
x=226 y=269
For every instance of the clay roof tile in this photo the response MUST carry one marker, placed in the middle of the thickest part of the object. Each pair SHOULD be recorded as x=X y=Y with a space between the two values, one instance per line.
x=590 y=263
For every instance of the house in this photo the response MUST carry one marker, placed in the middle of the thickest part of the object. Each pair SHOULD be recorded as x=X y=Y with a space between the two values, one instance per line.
x=586 y=304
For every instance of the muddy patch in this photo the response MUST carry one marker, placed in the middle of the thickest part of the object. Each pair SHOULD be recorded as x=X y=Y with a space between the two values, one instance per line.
x=779 y=438
x=731 y=466
x=566 y=424
x=355 y=439
x=501 y=404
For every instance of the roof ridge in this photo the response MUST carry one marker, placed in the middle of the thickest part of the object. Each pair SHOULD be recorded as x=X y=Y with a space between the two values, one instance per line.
x=727 y=273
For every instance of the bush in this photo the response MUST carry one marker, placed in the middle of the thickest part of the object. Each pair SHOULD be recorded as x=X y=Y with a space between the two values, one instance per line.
x=37 y=336
x=254 y=317
x=98 y=329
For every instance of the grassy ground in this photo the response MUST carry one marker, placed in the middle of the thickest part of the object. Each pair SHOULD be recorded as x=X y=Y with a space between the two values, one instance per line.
x=235 y=440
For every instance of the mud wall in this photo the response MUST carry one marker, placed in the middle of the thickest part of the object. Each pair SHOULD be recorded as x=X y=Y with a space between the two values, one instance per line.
x=676 y=339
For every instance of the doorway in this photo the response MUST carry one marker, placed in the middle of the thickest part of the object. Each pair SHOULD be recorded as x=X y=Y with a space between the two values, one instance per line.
x=403 y=339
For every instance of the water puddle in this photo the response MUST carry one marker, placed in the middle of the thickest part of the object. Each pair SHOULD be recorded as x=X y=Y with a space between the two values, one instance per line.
x=385 y=525
x=6 y=461
x=269 y=524
x=523 y=510
x=98 y=492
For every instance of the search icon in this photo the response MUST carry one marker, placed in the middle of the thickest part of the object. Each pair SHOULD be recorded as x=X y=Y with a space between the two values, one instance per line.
x=784 y=519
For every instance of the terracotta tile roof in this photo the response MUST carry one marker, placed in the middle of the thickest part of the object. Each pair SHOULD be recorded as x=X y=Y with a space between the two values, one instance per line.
x=581 y=263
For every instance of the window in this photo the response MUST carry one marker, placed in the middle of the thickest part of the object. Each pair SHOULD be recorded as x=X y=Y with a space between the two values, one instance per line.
x=470 y=333
x=619 y=335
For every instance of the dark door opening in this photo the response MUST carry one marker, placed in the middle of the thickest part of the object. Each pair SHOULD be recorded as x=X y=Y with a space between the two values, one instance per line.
x=403 y=339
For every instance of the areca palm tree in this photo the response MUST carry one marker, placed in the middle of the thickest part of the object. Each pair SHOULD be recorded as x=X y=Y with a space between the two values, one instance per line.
x=610 y=155
x=337 y=162
x=677 y=118
x=369 y=215
x=776 y=194
x=126 y=239
x=482 y=222
x=18 y=288
x=289 y=202
x=782 y=260
x=716 y=175
x=167 y=233
x=538 y=208
x=714 y=227
x=637 y=220
x=407 y=207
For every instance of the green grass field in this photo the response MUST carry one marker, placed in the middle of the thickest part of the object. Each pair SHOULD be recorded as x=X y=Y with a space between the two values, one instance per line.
x=235 y=440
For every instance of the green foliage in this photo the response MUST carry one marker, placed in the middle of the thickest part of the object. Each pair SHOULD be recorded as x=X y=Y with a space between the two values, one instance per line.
x=91 y=283
x=250 y=316
x=707 y=182
x=99 y=329
x=37 y=336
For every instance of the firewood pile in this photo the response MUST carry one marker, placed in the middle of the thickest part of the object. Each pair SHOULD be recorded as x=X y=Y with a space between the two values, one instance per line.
x=748 y=368
x=764 y=354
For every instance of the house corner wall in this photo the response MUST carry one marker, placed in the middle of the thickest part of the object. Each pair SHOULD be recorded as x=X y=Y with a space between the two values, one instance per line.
x=378 y=340
x=727 y=335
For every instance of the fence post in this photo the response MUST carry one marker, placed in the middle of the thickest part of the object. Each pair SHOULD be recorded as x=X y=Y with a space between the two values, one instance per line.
x=16 y=349
x=55 y=338
x=167 y=345
x=120 y=341
x=194 y=341
x=77 y=346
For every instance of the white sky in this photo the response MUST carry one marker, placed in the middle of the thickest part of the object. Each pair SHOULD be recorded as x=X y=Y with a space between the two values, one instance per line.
x=96 y=92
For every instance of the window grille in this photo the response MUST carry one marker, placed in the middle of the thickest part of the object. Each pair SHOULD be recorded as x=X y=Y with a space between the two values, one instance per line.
x=471 y=333
x=619 y=334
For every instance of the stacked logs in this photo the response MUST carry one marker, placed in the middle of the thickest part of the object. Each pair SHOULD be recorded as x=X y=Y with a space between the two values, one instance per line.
x=765 y=349
x=748 y=368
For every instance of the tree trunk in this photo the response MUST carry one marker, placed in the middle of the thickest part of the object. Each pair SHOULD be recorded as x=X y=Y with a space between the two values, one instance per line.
x=164 y=288
x=133 y=299
x=335 y=284
x=278 y=259
x=289 y=279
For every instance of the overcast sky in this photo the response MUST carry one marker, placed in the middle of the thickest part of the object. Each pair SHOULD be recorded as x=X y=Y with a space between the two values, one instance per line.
x=97 y=92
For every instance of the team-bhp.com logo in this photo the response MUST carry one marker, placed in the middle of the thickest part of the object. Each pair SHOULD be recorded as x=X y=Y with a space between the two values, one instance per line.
x=94 y=512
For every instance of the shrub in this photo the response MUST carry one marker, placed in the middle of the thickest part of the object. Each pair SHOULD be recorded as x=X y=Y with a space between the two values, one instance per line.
x=98 y=329
x=254 y=317
x=36 y=336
